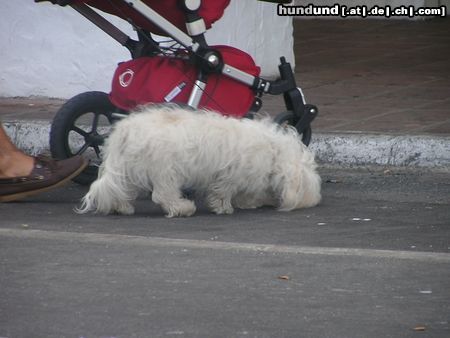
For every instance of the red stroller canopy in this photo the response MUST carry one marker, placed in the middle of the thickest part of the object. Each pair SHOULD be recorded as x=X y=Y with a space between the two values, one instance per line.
x=210 y=11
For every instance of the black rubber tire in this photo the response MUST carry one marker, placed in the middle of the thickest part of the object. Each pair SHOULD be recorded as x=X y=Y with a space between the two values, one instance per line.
x=65 y=128
x=288 y=117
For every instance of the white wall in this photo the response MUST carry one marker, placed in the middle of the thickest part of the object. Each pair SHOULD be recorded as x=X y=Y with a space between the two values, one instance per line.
x=48 y=50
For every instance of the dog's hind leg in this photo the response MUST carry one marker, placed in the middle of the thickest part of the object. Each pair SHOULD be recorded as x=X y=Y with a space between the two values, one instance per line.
x=170 y=200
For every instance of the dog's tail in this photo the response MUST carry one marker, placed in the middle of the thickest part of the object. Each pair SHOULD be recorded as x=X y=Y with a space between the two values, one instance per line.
x=91 y=200
x=106 y=195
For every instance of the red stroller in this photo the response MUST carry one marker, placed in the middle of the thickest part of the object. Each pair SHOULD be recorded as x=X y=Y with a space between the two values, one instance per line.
x=185 y=71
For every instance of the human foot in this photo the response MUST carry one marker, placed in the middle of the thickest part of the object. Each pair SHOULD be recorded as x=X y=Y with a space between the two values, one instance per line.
x=44 y=175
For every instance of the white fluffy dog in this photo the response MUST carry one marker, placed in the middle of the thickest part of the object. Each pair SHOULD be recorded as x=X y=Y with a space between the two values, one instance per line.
x=231 y=162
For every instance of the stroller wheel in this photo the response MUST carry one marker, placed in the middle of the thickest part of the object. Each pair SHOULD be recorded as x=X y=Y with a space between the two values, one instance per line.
x=80 y=128
x=288 y=118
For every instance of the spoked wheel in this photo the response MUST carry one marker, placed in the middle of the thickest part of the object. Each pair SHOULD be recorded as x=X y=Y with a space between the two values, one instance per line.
x=80 y=127
x=288 y=118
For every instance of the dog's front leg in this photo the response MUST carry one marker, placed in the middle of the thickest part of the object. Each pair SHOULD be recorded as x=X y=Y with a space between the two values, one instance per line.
x=172 y=203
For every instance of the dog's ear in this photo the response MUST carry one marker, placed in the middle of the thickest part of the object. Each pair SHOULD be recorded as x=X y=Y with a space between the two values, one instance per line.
x=299 y=188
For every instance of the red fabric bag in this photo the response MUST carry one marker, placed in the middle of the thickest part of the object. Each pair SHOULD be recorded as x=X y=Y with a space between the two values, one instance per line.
x=210 y=11
x=164 y=79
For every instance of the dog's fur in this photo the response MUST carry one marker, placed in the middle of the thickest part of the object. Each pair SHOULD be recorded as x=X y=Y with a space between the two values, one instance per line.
x=232 y=163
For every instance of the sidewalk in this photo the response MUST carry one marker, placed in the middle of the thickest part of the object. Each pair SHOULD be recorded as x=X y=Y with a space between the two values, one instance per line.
x=382 y=89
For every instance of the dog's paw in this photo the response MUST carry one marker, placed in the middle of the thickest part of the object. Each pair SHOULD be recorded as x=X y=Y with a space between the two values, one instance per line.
x=184 y=208
x=221 y=207
x=223 y=211
x=125 y=209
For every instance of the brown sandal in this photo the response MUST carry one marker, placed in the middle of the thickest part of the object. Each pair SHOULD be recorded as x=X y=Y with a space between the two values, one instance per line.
x=46 y=174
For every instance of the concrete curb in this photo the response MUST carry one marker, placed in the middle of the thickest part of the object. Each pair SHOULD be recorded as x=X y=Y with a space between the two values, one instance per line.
x=350 y=149
x=342 y=149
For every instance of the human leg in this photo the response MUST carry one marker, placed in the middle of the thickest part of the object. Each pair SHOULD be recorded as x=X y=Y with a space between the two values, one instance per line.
x=13 y=162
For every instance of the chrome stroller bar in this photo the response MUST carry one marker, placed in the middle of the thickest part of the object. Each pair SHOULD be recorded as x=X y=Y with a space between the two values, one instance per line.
x=196 y=94
x=174 y=32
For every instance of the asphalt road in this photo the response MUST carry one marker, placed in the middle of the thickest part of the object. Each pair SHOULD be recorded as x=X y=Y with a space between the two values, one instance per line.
x=372 y=260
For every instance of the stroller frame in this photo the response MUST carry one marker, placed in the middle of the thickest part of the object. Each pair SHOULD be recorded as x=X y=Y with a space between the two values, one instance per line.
x=208 y=61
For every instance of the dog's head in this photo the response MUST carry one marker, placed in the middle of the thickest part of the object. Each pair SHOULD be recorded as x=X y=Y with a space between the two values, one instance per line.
x=297 y=183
